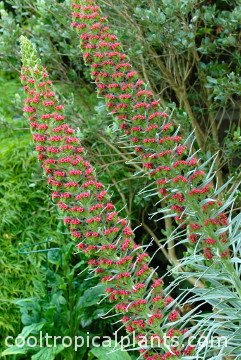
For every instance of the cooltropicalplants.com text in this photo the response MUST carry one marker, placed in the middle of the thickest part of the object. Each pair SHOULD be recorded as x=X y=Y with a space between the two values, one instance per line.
x=124 y=343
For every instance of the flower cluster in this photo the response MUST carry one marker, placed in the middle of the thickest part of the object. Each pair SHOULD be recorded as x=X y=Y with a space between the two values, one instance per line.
x=86 y=209
x=150 y=134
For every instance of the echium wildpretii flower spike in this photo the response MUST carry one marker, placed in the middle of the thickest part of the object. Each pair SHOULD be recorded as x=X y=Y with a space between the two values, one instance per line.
x=154 y=139
x=94 y=223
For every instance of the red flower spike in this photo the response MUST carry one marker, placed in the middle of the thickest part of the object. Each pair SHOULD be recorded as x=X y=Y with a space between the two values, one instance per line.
x=140 y=108
x=91 y=217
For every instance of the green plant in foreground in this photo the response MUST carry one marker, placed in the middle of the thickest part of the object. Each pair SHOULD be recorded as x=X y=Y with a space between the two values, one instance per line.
x=66 y=311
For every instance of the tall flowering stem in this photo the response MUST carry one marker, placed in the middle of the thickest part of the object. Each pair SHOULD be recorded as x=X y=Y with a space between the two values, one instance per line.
x=181 y=183
x=86 y=208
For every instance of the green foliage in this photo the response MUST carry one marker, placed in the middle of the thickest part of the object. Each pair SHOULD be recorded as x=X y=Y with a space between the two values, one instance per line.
x=189 y=52
x=68 y=309
x=22 y=209
x=48 y=25
x=112 y=352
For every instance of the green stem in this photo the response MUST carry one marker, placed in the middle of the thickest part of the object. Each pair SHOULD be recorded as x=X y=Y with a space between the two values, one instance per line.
x=71 y=313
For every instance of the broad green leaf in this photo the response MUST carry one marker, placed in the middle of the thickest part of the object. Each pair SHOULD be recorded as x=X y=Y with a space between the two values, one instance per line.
x=14 y=350
x=212 y=80
x=48 y=353
x=91 y=296
x=30 y=328
x=105 y=353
